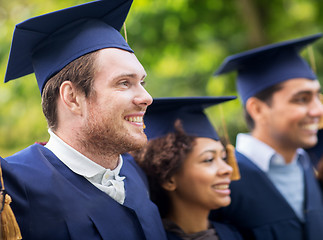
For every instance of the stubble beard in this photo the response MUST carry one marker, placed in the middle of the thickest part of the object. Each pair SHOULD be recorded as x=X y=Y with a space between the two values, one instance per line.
x=100 y=137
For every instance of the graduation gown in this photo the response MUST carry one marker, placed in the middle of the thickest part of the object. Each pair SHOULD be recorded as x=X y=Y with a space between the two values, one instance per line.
x=224 y=232
x=52 y=202
x=259 y=211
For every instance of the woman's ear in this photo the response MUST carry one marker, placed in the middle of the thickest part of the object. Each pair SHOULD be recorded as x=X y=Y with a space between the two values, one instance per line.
x=170 y=184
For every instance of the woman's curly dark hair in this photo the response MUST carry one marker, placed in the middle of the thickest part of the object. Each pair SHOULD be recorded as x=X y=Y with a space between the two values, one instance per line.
x=161 y=159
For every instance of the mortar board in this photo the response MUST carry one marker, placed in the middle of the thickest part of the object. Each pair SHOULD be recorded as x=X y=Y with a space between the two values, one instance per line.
x=45 y=44
x=266 y=66
x=163 y=112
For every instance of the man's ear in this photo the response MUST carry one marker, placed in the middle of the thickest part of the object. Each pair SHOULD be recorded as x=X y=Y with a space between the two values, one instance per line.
x=256 y=108
x=71 y=98
x=170 y=184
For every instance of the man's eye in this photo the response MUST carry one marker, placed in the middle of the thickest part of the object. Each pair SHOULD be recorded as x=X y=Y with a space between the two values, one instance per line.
x=143 y=83
x=124 y=83
x=302 y=100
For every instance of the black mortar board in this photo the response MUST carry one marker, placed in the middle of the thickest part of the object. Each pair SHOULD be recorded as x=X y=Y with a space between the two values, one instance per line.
x=266 y=66
x=45 y=44
x=163 y=112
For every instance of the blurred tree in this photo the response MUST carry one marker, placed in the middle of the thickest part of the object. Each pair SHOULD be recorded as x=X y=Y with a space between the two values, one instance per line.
x=179 y=42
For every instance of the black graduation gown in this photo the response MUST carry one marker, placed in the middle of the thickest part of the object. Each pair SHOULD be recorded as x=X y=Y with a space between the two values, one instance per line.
x=259 y=211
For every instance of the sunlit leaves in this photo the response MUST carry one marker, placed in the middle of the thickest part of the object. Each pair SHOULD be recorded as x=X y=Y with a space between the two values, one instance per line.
x=179 y=42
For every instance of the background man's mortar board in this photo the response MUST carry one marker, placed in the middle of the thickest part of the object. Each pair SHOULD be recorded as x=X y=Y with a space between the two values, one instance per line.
x=266 y=66
x=163 y=112
x=45 y=44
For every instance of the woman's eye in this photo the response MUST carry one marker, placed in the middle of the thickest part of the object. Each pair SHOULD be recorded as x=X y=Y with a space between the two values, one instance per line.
x=224 y=156
x=208 y=160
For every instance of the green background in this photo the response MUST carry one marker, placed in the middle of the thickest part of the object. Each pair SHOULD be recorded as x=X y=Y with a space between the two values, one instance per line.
x=179 y=42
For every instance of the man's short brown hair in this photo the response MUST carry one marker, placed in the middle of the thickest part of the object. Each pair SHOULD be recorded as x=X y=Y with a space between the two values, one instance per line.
x=80 y=72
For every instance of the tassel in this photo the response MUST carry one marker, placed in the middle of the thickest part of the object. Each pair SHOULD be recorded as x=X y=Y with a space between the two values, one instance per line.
x=9 y=226
x=231 y=158
x=125 y=32
x=313 y=66
x=321 y=123
x=232 y=161
x=321 y=119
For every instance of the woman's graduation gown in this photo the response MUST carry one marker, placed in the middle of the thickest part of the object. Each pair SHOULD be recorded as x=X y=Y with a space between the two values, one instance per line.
x=225 y=232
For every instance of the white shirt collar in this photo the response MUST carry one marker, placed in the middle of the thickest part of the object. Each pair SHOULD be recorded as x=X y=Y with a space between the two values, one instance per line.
x=106 y=180
x=260 y=153
x=74 y=160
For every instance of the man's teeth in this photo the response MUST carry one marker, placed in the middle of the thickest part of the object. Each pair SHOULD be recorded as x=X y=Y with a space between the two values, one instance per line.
x=137 y=119
x=221 y=187
x=312 y=127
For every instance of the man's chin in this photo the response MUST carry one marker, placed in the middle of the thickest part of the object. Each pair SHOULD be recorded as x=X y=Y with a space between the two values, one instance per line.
x=310 y=143
x=137 y=143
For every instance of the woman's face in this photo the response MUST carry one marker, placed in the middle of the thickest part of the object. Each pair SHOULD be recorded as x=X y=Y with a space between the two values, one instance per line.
x=205 y=176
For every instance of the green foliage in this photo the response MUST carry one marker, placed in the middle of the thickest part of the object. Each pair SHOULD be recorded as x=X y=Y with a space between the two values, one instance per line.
x=179 y=42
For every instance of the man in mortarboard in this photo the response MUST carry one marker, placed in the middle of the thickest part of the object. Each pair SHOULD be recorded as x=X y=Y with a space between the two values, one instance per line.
x=278 y=196
x=78 y=186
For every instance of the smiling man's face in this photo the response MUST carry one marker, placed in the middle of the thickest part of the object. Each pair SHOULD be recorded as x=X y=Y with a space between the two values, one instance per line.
x=114 y=120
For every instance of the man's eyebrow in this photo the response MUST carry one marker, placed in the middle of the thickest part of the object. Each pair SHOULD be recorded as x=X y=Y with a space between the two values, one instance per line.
x=129 y=75
x=306 y=92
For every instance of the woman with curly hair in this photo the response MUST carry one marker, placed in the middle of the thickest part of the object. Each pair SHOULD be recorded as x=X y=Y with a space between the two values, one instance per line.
x=186 y=167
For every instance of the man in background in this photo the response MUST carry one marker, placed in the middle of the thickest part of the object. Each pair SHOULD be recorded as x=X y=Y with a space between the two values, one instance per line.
x=278 y=196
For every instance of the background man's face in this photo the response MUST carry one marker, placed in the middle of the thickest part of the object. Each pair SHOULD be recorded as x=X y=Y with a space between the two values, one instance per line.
x=294 y=114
